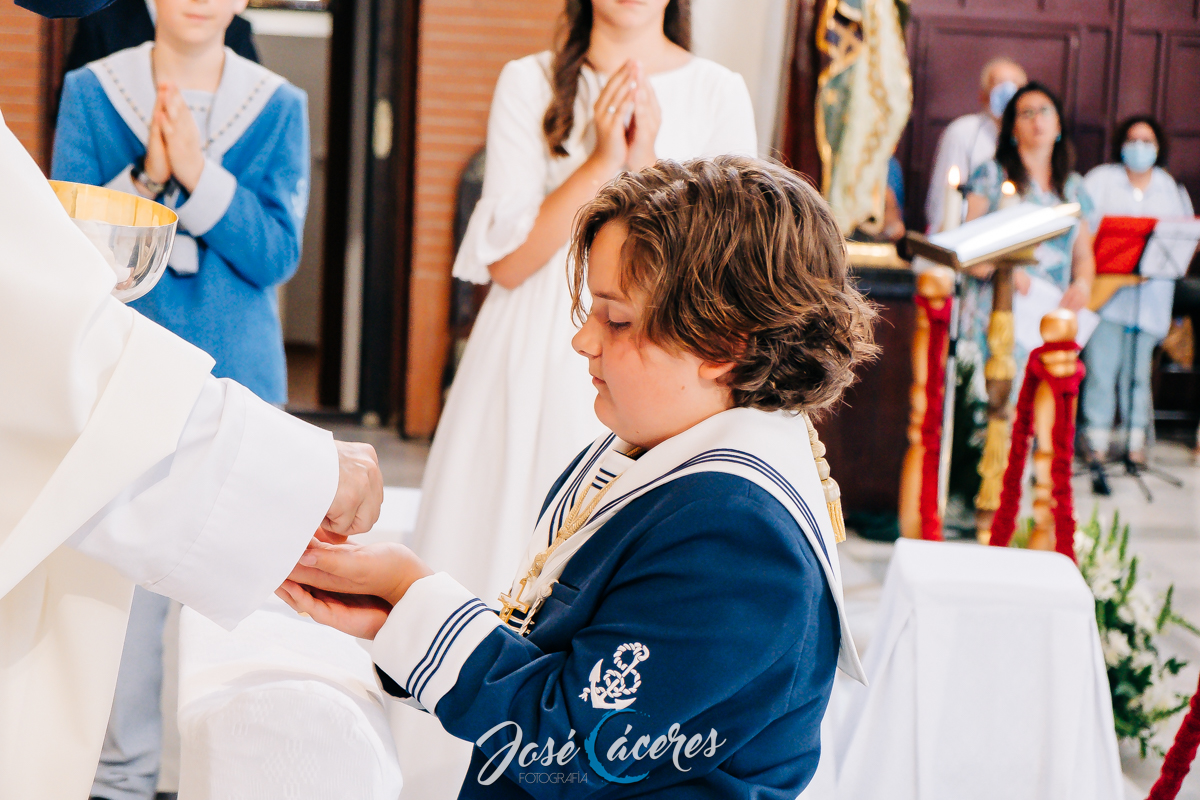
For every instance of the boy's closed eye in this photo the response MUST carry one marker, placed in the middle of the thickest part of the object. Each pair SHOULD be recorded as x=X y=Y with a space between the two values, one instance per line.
x=613 y=315
x=614 y=325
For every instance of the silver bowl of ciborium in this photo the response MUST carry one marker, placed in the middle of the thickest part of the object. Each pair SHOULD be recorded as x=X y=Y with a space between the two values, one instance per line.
x=132 y=233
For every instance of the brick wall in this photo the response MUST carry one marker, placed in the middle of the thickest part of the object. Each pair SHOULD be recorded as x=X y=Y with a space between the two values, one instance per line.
x=21 y=41
x=464 y=44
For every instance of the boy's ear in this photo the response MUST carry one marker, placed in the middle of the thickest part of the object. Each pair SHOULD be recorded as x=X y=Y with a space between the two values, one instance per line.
x=240 y=5
x=715 y=370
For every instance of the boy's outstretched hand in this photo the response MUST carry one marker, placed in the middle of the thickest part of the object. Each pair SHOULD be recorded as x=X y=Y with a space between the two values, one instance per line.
x=352 y=587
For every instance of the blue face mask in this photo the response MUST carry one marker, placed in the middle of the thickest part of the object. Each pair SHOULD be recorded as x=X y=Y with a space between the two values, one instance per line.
x=1139 y=156
x=1000 y=95
x=63 y=8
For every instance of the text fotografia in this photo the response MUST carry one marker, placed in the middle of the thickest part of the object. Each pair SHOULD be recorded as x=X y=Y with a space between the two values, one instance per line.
x=674 y=744
x=551 y=777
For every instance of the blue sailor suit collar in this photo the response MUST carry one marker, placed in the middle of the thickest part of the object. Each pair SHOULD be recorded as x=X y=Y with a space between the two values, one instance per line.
x=770 y=449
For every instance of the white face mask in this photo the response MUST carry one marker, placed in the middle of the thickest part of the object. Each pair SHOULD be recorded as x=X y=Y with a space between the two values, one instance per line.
x=1139 y=156
x=1000 y=95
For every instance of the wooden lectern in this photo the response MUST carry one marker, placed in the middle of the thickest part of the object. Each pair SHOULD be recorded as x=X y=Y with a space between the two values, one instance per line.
x=1007 y=239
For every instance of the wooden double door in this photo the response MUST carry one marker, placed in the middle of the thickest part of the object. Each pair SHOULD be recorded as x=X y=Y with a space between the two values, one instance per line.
x=1107 y=60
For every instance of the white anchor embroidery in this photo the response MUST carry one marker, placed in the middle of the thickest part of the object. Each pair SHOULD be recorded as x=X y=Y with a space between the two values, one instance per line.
x=619 y=682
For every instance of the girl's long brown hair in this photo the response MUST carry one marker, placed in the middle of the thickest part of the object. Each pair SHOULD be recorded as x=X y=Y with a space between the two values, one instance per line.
x=570 y=54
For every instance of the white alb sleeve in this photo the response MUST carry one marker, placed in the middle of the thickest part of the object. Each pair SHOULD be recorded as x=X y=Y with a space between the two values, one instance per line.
x=221 y=522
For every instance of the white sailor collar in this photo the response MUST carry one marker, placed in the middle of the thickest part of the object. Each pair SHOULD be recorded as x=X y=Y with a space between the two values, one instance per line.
x=770 y=449
x=127 y=79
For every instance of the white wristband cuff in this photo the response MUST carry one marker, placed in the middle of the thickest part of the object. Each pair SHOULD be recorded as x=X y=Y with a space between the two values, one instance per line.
x=430 y=634
x=209 y=202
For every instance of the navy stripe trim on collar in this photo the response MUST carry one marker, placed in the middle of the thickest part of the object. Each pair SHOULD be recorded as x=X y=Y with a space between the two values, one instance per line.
x=564 y=502
x=734 y=457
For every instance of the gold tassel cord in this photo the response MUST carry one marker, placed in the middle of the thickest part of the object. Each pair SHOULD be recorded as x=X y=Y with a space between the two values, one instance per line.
x=1001 y=337
x=991 y=466
x=833 y=493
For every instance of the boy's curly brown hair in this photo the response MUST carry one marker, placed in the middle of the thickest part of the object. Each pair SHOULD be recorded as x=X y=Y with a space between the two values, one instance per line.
x=739 y=260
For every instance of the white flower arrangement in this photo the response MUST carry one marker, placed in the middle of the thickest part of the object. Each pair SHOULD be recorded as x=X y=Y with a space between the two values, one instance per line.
x=1130 y=621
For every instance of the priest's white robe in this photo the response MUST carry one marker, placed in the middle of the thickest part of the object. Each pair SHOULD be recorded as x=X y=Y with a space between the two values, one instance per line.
x=122 y=460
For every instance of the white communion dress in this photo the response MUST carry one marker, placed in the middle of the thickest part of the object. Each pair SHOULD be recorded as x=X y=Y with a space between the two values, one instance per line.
x=521 y=406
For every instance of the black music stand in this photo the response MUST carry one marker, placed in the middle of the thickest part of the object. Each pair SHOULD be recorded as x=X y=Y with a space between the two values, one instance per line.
x=1100 y=469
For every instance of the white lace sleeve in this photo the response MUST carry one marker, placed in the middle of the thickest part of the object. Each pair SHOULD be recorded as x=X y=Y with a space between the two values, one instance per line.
x=514 y=182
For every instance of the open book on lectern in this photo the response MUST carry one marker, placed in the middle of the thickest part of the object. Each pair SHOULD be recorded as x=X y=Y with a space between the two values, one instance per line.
x=995 y=235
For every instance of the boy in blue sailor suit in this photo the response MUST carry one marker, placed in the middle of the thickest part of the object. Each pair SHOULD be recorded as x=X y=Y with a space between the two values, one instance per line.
x=675 y=625
x=223 y=141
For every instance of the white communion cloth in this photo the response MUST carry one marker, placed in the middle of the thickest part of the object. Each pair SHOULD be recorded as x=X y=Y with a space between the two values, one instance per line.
x=280 y=707
x=521 y=405
x=987 y=681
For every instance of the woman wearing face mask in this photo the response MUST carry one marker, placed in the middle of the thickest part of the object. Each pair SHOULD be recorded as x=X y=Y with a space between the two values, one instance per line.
x=1034 y=155
x=1137 y=317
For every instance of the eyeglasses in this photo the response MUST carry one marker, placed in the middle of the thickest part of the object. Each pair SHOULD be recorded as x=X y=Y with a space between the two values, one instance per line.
x=1031 y=113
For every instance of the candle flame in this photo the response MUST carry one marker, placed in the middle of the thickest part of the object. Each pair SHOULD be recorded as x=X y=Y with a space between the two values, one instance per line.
x=953 y=176
x=1009 y=188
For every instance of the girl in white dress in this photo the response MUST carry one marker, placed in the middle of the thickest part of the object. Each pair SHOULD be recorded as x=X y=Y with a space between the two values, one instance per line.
x=520 y=407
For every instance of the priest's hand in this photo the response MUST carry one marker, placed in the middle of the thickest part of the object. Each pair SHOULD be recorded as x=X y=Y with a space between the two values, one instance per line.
x=355 y=507
x=332 y=584
x=184 y=147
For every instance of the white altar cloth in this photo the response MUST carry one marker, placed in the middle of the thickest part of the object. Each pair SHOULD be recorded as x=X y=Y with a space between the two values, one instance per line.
x=280 y=707
x=986 y=681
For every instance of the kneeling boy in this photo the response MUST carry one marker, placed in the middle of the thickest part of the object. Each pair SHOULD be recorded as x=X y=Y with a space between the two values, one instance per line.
x=675 y=625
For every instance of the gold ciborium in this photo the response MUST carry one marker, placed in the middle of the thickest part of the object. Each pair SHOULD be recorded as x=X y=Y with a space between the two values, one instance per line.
x=132 y=233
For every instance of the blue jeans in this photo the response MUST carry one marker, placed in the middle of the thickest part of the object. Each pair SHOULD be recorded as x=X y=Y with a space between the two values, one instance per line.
x=132 y=749
x=1118 y=374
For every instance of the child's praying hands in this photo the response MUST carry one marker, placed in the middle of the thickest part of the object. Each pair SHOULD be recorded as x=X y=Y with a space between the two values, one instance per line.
x=180 y=134
x=352 y=587
x=157 y=164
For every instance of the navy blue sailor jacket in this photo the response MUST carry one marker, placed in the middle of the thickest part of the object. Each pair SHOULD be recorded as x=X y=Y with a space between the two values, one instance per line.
x=687 y=650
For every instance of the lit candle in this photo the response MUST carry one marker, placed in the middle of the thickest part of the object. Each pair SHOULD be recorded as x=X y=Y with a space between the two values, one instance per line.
x=954 y=201
x=1008 y=195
